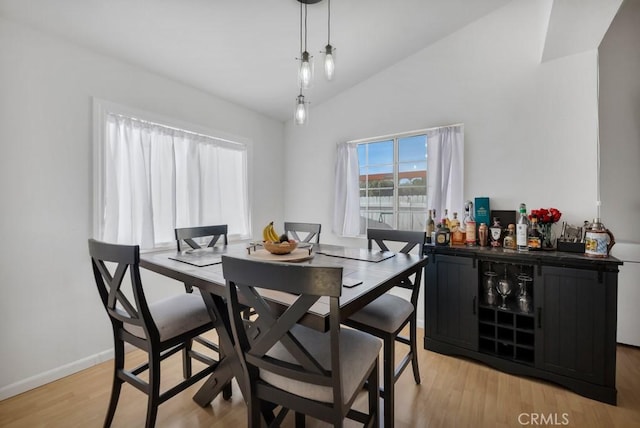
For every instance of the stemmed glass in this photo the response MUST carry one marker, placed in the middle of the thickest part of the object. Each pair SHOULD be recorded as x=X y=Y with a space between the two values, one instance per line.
x=504 y=288
x=524 y=300
x=490 y=287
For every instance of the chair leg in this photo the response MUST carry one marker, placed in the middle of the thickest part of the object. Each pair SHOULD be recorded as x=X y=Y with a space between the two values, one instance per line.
x=254 y=413
x=414 y=350
x=300 y=422
x=186 y=360
x=389 y=370
x=374 y=395
x=118 y=364
x=154 y=389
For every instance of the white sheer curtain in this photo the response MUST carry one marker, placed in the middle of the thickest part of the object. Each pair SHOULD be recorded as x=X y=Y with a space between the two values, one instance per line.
x=346 y=209
x=445 y=169
x=157 y=178
x=445 y=178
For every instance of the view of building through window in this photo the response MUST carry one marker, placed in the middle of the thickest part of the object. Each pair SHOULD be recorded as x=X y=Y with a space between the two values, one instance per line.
x=393 y=182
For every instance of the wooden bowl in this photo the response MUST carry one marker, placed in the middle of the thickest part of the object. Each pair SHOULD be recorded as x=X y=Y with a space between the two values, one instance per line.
x=280 y=248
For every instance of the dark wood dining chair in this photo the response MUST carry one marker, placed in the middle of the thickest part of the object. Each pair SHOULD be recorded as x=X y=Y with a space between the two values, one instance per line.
x=161 y=329
x=187 y=235
x=386 y=316
x=313 y=373
x=312 y=231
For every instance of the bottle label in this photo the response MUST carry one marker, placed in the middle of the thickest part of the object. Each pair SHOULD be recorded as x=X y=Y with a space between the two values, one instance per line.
x=471 y=233
x=521 y=235
x=534 y=243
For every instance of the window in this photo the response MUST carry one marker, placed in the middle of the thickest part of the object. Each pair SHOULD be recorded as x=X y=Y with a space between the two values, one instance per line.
x=152 y=176
x=393 y=182
x=388 y=182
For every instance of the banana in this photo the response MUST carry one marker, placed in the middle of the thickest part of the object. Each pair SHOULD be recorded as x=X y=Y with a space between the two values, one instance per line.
x=269 y=233
x=274 y=235
x=266 y=232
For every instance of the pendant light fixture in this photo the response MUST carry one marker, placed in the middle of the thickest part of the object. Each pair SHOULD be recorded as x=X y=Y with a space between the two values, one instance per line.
x=305 y=66
x=329 y=51
x=305 y=69
x=301 y=114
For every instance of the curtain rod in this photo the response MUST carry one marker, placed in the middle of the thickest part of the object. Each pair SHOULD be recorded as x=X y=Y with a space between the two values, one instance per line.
x=198 y=134
x=418 y=131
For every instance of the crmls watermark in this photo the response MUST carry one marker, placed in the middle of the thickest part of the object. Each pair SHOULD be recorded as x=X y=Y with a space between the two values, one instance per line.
x=543 y=418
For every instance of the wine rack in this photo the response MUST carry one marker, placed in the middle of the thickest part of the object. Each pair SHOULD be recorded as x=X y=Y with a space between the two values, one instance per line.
x=507 y=332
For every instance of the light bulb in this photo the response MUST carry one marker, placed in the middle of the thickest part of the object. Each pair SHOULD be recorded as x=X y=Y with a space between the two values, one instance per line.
x=300 y=115
x=329 y=62
x=305 y=73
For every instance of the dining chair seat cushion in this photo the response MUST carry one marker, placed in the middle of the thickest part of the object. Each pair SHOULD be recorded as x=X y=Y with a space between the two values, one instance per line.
x=358 y=351
x=175 y=315
x=387 y=313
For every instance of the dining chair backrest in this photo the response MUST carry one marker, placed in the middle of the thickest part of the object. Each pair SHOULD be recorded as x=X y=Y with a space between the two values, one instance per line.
x=114 y=287
x=411 y=239
x=187 y=234
x=269 y=328
x=311 y=229
x=287 y=363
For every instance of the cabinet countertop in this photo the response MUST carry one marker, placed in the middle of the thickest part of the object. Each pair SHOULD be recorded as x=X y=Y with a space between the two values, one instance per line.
x=556 y=258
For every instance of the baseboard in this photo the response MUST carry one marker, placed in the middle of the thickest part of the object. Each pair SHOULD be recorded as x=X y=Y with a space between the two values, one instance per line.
x=71 y=368
x=54 y=374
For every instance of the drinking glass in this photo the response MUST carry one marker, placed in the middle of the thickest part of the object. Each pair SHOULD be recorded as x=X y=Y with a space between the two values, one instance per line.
x=504 y=288
x=524 y=299
x=490 y=288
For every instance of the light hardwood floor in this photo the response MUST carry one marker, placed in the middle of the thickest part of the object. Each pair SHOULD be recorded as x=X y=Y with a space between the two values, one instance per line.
x=454 y=393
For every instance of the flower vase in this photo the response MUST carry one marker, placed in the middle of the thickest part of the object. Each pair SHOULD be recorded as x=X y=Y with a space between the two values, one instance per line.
x=548 y=236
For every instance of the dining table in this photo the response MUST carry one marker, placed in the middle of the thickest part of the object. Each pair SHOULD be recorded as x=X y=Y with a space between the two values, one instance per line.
x=367 y=274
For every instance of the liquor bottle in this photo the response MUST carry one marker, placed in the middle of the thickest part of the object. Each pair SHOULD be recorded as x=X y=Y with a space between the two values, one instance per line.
x=442 y=234
x=522 y=229
x=433 y=232
x=445 y=219
x=469 y=225
x=534 y=240
x=495 y=232
x=430 y=226
x=457 y=236
x=509 y=242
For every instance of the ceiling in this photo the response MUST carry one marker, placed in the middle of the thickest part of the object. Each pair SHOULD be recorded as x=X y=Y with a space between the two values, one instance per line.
x=244 y=50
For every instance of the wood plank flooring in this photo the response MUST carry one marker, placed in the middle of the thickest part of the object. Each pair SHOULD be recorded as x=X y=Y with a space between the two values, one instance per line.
x=454 y=393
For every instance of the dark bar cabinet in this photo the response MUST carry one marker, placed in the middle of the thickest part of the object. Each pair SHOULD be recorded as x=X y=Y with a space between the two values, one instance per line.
x=558 y=320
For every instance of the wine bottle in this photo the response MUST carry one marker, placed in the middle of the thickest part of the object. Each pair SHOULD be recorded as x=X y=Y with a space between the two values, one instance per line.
x=522 y=229
x=430 y=226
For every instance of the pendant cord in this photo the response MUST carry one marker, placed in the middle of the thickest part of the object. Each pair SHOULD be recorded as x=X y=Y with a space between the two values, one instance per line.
x=301 y=29
x=305 y=27
x=329 y=23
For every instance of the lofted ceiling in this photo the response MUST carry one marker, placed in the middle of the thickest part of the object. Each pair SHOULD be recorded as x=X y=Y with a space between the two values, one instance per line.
x=244 y=50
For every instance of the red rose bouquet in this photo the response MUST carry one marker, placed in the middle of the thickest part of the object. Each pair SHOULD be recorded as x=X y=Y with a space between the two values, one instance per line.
x=546 y=216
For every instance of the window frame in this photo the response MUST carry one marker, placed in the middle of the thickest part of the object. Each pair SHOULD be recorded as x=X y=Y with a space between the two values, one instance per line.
x=395 y=138
x=102 y=107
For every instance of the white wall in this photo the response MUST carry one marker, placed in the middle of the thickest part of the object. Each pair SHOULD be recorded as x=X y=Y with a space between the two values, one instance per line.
x=51 y=320
x=530 y=128
x=620 y=123
x=620 y=157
